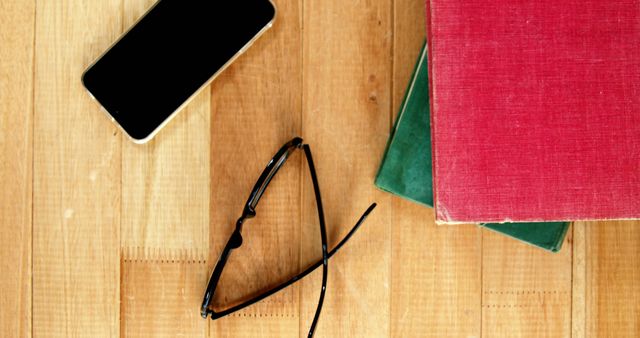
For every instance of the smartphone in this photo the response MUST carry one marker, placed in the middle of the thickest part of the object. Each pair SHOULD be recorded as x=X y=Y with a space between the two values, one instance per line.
x=177 y=48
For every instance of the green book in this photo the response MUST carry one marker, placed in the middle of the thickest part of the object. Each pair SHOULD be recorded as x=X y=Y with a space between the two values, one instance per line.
x=406 y=167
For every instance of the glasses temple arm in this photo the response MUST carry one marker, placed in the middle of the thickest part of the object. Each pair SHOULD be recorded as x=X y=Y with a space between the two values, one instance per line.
x=234 y=242
x=301 y=275
x=323 y=236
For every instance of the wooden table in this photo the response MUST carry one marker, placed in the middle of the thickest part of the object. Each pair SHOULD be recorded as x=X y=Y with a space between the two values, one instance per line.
x=100 y=237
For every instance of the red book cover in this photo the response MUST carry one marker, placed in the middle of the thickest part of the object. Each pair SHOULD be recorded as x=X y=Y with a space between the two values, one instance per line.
x=535 y=109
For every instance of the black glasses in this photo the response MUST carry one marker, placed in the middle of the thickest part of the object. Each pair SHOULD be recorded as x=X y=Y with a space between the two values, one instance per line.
x=235 y=241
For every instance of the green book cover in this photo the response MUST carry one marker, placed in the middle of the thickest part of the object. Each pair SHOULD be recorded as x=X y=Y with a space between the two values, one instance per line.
x=406 y=167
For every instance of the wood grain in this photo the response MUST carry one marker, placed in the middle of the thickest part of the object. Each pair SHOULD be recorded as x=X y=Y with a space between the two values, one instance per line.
x=525 y=287
x=76 y=225
x=612 y=275
x=436 y=276
x=161 y=298
x=256 y=107
x=346 y=117
x=578 y=279
x=16 y=154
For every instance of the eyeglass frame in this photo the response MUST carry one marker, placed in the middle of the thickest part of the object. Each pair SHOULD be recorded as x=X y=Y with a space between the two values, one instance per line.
x=235 y=240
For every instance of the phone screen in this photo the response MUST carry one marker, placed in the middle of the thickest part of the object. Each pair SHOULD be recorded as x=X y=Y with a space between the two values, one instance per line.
x=174 y=50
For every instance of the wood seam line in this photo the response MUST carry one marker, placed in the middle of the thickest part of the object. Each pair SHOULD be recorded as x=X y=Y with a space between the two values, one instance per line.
x=301 y=203
x=163 y=255
x=573 y=262
x=482 y=232
x=33 y=150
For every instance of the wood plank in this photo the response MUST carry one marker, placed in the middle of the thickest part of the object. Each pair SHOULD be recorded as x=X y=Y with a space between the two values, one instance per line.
x=256 y=108
x=165 y=183
x=169 y=169
x=165 y=186
x=579 y=282
x=612 y=275
x=438 y=294
x=526 y=292
x=165 y=220
x=76 y=225
x=161 y=298
x=436 y=276
x=346 y=118
x=17 y=19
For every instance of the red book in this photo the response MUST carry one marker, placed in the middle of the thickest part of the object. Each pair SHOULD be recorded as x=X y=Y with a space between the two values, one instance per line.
x=535 y=109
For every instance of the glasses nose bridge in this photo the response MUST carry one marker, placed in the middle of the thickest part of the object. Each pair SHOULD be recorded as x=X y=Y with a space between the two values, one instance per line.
x=236 y=237
x=248 y=213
